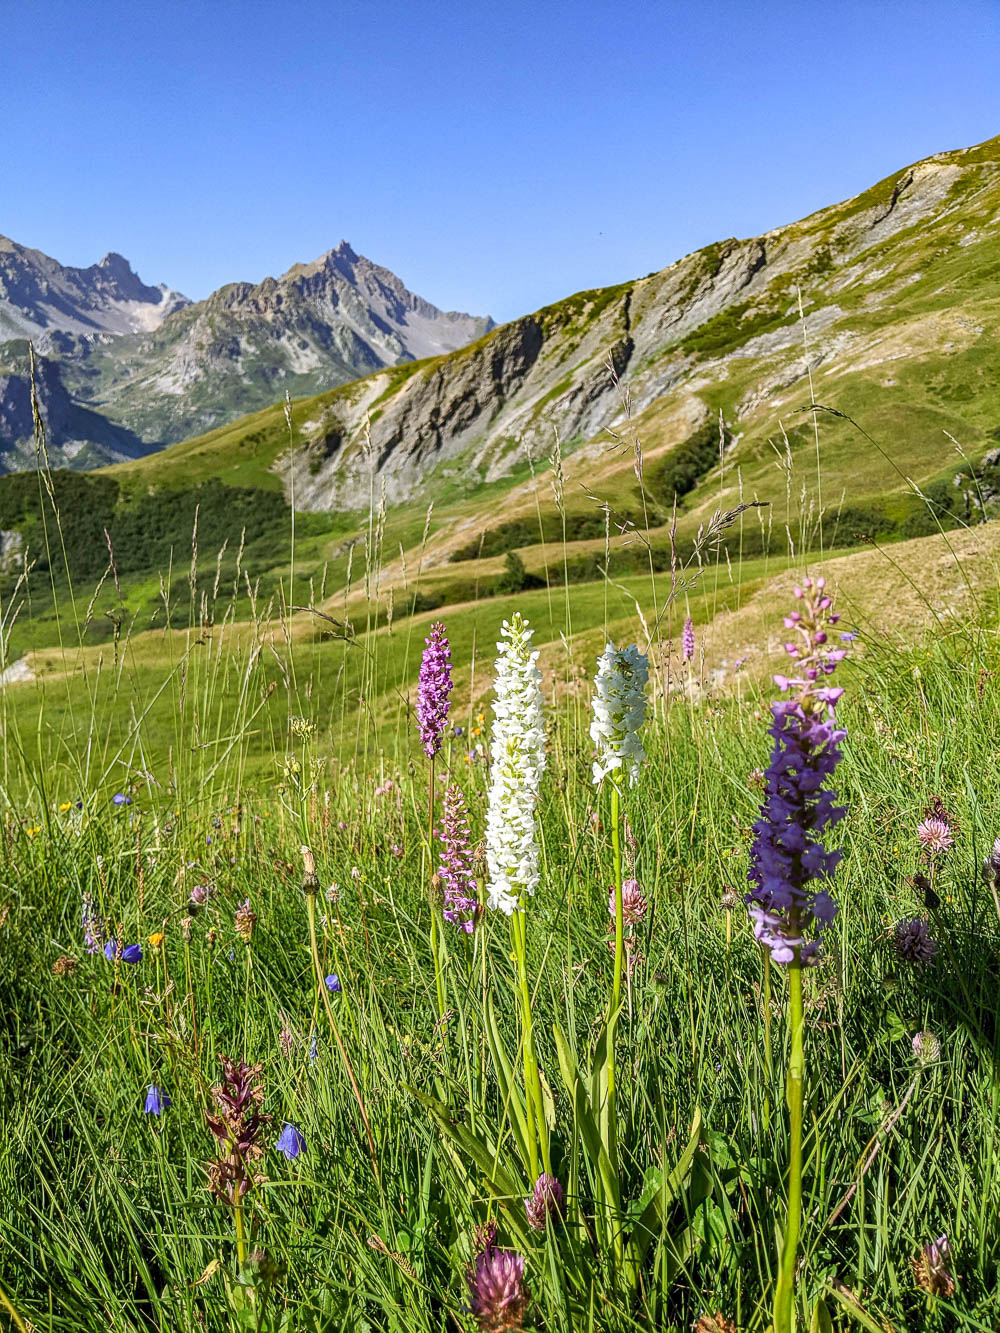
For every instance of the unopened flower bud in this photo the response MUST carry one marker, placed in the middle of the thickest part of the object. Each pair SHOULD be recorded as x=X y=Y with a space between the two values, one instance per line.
x=310 y=880
x=926 y=1048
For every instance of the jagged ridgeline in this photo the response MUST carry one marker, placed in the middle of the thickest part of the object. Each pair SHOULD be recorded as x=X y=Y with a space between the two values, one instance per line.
x=123 y=368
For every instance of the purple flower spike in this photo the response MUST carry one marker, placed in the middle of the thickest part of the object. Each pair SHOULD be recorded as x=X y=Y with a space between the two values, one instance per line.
x=687 y=640
x=291 y=1142
x=544 y=1201
x=788 y=852
x=333 y=983
x=455 y=869
x=433 y=690
x=157 y=1100
x=498 y=1297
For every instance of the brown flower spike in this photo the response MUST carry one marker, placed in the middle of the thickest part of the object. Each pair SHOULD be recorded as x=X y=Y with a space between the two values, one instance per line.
x=238 y=1127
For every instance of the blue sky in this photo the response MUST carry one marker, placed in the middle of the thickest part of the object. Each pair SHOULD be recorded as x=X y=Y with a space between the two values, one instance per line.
x=496 y=156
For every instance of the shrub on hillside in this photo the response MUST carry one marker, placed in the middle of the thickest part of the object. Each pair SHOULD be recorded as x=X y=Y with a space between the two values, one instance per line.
x=686 y=464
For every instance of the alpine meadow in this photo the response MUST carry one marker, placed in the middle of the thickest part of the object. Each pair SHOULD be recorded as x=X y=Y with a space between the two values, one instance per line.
x=501 y=823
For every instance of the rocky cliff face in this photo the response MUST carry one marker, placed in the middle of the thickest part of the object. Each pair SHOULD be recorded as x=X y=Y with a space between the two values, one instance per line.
x=76 y=437
x=673 y=334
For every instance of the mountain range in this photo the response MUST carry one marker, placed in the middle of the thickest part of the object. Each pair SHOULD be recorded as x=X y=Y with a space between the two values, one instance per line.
x=885 y=306
x=123 y=368
x=839 y=374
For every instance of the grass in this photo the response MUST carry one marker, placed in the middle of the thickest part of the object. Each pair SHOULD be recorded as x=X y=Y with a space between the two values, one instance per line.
x=244 y=734
x=240 y=728
x=106 y=1219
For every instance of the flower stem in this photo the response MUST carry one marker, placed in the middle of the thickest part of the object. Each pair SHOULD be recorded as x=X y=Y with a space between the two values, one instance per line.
x=609 y=1111
x=768 y=1060
x=533 y=1102
x=616 y=845
x=241 y=1243
x=431 y=896
x=784 y=1308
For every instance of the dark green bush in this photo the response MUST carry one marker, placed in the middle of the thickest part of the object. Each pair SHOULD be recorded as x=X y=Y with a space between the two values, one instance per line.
x=514 y=577
x=686 y=464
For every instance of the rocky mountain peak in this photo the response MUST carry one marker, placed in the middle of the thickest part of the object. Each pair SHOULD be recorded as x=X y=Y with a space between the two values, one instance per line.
x=38 y=295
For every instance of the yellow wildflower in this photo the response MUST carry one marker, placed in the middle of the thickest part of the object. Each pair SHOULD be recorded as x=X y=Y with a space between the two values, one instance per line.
x=156 y=939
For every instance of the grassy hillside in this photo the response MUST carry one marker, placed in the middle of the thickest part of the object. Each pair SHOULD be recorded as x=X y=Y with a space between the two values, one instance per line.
x=898 y=330
x=721 y=374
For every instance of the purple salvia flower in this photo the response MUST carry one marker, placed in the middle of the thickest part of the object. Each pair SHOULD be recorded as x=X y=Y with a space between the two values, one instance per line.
x=433 y=690
x=544 y=1201
x=455 y=869
x=788 y=853
x=498 y=1297
x=687 y=640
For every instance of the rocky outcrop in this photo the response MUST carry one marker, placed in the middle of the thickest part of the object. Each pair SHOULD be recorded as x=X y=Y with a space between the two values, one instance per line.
x=11 y=550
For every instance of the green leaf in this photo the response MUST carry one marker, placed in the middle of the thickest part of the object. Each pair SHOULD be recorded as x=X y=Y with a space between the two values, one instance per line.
x=607 y=1176
x=548 y=1101
x=510 y=1093
x=658 y=1195
x=821 y=1321
x=501 y=1184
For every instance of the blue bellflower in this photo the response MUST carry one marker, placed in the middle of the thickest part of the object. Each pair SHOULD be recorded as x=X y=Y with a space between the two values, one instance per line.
x=291 y=1142
x=131 y=953
x=157 y=1100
